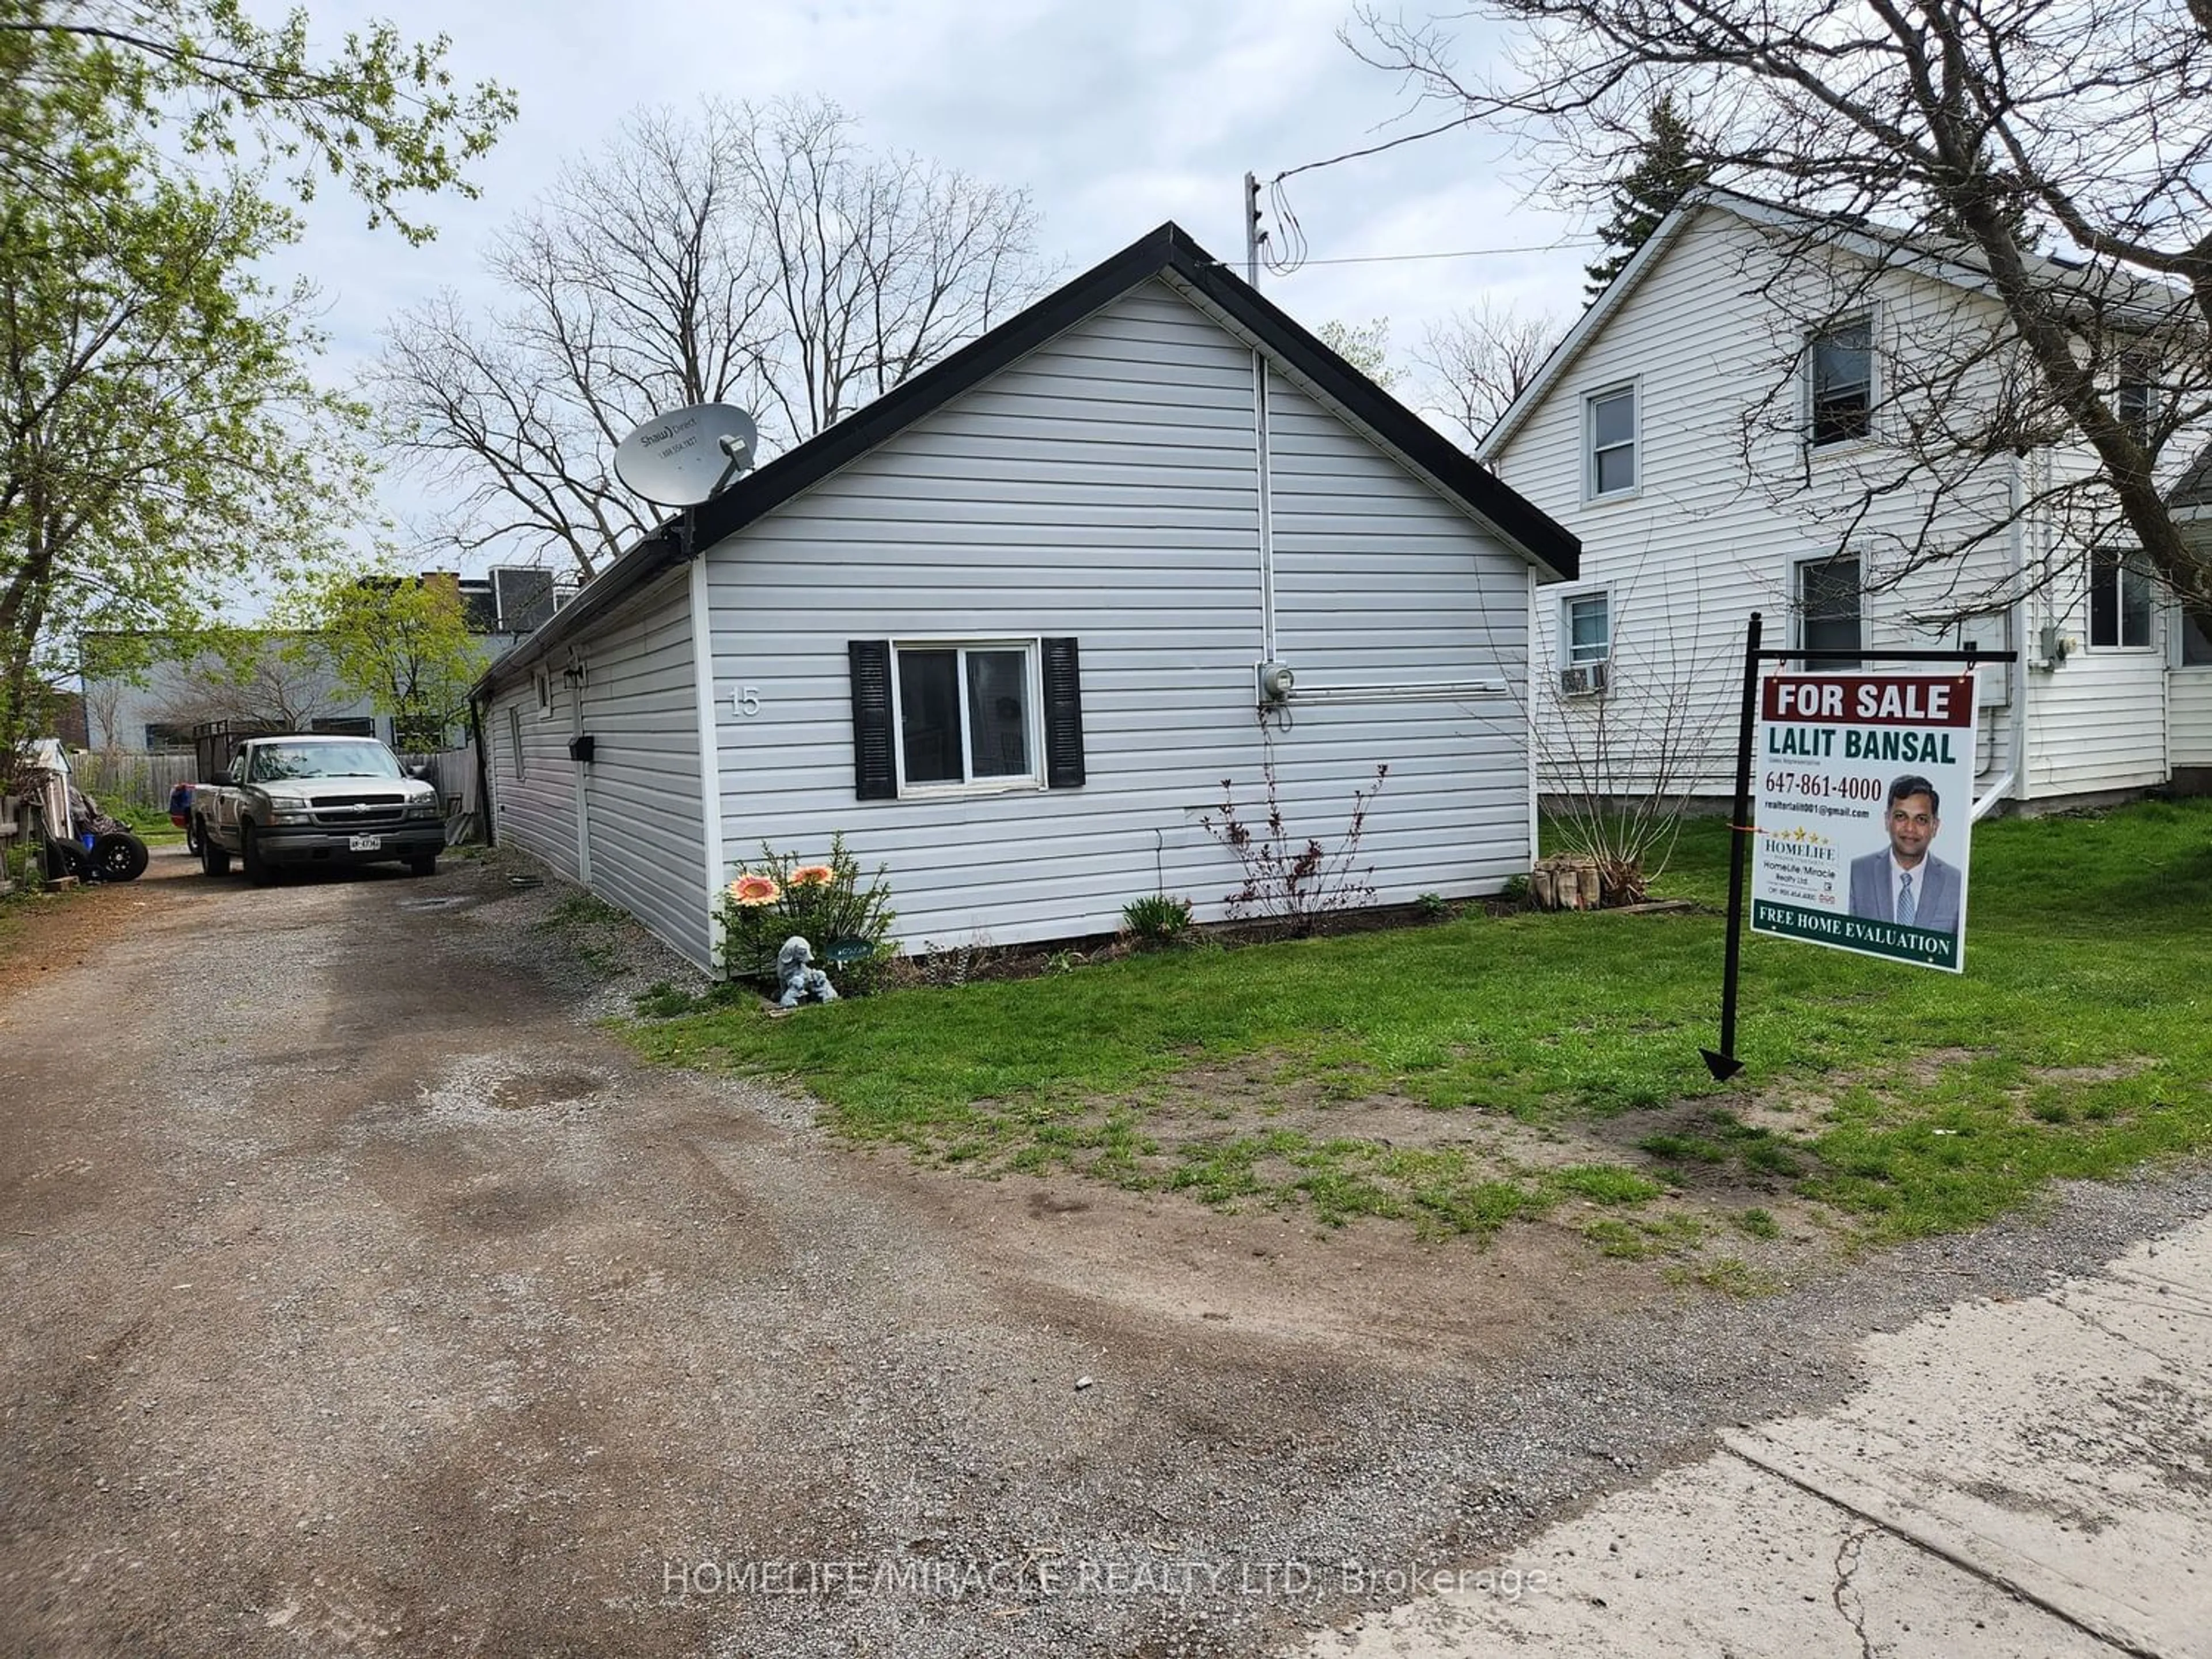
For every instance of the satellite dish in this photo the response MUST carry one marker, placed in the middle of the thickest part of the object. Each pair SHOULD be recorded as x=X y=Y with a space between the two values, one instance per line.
x=687 y=455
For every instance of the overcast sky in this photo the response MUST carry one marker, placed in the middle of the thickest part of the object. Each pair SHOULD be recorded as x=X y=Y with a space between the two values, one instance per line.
x=1113 y=114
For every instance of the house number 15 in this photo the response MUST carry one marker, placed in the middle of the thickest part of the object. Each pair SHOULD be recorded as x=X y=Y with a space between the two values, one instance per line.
x=747 y=701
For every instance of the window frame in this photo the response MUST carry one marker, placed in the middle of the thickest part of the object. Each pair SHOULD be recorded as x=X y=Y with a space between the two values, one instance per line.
x=514 y=733
x=1031 y=781
x=1568 y=601
x=541 y=686
x=1632 y=389
x=1801 y=615
x=2124 y=563
x=2137 y=396
x=1814 y=338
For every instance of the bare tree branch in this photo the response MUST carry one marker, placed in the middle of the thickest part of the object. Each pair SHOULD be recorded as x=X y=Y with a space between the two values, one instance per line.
x=746 y=254
x=1968 y=129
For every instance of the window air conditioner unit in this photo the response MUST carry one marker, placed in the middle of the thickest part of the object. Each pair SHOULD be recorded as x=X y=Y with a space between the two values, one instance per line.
x=1586 y=680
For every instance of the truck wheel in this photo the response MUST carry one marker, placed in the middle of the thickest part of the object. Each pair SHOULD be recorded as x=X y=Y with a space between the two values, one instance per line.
x=423 y=864
x=118 y=857
x=213 y=861
x=257 y=868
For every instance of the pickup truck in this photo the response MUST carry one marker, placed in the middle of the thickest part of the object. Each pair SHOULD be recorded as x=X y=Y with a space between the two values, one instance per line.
x=311 y=800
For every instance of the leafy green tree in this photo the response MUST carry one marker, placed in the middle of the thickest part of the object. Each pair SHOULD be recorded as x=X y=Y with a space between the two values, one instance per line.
x=1365 y=346
x=1666 y=170
x=382 y=114
x=402 y=642
x=160 y=436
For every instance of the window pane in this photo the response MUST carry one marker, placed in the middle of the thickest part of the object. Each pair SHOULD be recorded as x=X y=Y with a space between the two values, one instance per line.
x=2104 y=597
x=2135 y=604
x=2136 y=407
x=1828 y=602
x=1587 y=640
x=1613 y=443
x=1842 y=382
x=1612 y=420
x=929 y=715
x=2197 y=638
x=997 y=727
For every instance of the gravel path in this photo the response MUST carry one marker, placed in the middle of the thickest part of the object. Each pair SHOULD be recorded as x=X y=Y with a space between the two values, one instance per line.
x=367 y=1296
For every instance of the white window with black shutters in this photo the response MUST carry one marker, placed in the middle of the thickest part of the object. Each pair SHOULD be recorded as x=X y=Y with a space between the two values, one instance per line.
x=1829 y=617
x=966 y=716
x=2119 y=600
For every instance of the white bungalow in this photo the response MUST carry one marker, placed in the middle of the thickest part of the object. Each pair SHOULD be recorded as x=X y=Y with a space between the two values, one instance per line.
x=1005 y=629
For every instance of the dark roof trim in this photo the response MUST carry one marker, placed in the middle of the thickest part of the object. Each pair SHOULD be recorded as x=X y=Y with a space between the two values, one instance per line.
x=1168 y=249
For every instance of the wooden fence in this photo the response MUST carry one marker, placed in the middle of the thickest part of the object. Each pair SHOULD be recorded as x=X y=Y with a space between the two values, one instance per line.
x=122 y=777
x=126 y=777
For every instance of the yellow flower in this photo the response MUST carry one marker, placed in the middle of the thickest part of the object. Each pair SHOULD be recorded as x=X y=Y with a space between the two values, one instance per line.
x=812 y=875
x=755 y=890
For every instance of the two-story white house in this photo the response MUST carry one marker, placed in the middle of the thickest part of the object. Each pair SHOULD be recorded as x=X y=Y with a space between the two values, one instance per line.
x=1733 y=425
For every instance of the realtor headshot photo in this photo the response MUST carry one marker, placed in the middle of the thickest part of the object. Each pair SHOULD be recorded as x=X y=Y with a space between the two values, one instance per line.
x=1905 y=882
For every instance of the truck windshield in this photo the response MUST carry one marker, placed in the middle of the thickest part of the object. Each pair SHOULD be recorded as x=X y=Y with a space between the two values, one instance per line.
x=275 y=762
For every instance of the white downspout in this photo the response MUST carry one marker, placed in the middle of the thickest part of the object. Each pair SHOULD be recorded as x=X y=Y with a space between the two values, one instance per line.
x=1263 y=456
x=710 y=752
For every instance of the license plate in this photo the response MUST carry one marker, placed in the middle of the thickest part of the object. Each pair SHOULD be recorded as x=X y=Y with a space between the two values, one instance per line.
x=364 y=843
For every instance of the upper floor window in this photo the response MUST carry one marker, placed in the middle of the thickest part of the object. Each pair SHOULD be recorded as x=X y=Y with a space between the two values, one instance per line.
x=1843 y=381
x=2119 y=600
x=1829 y=614
x=2134 y=401
x=1609 y=420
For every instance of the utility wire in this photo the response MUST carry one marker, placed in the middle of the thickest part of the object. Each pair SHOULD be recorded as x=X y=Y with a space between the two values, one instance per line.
x=1458 y=253
x=1372 y=150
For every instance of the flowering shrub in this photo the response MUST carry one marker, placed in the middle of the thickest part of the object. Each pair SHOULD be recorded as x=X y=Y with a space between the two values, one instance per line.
x=1287 y=885
x=848 y=925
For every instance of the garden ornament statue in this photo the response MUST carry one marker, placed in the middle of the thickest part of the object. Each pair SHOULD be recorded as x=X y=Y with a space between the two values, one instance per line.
x=801 y=980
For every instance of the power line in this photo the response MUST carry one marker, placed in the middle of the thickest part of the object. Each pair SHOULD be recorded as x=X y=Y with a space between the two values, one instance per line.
x=1372 y=150
x=1457 y=253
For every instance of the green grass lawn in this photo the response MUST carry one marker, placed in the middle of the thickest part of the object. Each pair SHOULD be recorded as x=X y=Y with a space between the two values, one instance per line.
x=2076 y=1043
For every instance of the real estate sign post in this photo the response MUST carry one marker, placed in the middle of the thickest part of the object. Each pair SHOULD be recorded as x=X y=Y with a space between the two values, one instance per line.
x=1863 y=801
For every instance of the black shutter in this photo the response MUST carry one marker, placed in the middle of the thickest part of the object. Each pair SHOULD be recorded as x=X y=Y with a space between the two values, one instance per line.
x=1063 y=715
x=875 y=767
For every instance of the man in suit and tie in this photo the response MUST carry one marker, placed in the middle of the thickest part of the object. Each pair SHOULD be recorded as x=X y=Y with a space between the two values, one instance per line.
x=1904 y=882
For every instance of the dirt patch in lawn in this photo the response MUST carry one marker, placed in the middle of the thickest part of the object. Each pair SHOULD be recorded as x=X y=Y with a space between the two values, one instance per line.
x=1254 y=1140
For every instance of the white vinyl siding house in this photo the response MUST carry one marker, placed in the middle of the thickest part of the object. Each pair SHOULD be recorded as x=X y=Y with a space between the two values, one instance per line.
x=1753 y=432
x=1002 y=630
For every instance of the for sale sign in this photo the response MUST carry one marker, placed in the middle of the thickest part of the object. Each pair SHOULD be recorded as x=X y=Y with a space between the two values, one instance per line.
x=1862 y=791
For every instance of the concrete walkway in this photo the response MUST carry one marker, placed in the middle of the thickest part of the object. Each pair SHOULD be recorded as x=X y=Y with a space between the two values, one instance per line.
x=2029 y=1478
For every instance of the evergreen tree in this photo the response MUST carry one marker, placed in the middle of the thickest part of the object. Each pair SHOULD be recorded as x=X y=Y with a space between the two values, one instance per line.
x=1664 y=173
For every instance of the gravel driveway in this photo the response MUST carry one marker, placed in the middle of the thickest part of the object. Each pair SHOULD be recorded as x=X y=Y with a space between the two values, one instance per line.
x=366 y=1297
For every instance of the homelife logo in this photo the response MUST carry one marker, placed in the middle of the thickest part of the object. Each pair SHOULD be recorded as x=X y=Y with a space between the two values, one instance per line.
x=1863 y=800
